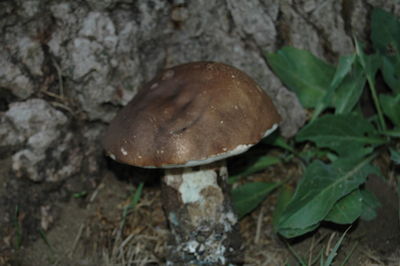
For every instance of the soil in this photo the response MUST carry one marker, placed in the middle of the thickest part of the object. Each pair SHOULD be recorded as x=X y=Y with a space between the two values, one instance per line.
x=88 y=229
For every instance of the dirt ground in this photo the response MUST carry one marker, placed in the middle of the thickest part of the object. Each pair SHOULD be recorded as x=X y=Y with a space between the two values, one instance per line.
x=86 y=228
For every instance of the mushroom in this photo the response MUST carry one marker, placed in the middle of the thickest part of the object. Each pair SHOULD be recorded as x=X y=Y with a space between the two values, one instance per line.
x=187 y=120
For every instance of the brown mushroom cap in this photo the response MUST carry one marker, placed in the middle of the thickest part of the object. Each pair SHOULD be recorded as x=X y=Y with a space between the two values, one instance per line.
x=191 y=114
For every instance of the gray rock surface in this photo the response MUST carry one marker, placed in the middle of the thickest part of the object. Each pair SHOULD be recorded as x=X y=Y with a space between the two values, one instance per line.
x=36 y=127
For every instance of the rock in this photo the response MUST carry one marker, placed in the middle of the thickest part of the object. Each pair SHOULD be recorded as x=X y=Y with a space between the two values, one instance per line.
x=35 y=125
x=13 y=79
x=35 y=118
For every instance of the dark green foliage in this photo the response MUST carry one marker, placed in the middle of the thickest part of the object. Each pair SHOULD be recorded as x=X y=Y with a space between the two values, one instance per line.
x=344 y=134
x=248 y=196
x=322 y=187
x=341 y=141
x=297 y=68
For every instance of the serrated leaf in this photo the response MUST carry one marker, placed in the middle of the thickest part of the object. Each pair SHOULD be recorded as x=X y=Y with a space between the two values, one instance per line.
x=347 y=209
x=248 y=196
x=303 y=73
x=345 y=134
x=391 y=107
x=369 y=205
x=320 y=188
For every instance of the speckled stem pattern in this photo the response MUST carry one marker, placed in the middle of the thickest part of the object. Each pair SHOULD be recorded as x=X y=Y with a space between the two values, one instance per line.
x=203 y=224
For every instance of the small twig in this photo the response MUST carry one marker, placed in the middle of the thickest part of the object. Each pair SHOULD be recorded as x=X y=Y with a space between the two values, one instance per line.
x=311 y=250
x=94 y=194
x=59 y=73
x=320 y=6
x=118 y=236
x=372 y=257
x=72 y=249
x=78 y=236
x=259 y=225
x=328 y=247
x=62 y=106
x=53 y=95
x=123 y=244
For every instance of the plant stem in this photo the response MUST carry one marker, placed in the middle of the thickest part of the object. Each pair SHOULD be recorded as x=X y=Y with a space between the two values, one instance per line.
x=367 y=64
x=376 y=102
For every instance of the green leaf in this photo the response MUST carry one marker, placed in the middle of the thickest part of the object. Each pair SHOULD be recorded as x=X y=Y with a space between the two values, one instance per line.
x=248 y=196
x=369 y=205
x=261 y=163
x=318 y=191
x=296 y=231
x=350 y=91
x=135 y=198
x=81 y=194
x=395 y=155
x=391 y=107
x=385 y=32
x=312 y=153
x=17 y=227
x=394 y=133
x=342 y=70
x=370 y=63
x=279 y=142
x=345 y=134
x=347 y=209
x=391 y=73
x=386 y=40
x=302 y=72
x=285 y=194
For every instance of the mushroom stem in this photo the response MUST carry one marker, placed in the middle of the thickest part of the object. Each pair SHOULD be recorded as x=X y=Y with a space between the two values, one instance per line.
x=203 y=224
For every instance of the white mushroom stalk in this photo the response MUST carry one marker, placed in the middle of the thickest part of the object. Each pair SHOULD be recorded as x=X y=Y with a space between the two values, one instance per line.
x=200 y=215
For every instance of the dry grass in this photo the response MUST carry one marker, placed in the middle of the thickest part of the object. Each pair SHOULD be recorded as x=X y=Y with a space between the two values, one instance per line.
x=140 y=239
